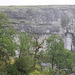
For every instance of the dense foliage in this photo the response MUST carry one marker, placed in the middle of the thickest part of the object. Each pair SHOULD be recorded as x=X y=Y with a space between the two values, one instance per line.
x=60 y=57
x=29 y=58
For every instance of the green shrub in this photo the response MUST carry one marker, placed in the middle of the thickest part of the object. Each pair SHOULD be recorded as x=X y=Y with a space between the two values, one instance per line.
x=50 y=70
x=13 y=70
x=35 y=73
x=63 y=73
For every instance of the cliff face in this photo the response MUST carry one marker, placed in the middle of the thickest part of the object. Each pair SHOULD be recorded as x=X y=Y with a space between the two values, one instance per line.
x=44 y=21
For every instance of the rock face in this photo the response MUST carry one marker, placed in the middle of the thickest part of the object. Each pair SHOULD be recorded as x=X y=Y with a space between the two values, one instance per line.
x=44 y=21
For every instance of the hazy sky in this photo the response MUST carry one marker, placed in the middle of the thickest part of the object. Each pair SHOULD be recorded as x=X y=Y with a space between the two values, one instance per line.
x=36 y=2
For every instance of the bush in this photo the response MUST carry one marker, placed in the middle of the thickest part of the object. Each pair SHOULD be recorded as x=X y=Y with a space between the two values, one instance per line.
x=13 y=70
x=35 y=73
x=50 y=69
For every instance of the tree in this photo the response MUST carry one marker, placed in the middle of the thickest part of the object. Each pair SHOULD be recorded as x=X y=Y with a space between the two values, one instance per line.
x=59 y=56
x=25 y=61
x=55 y=44
x=37 y=46
x=7 y=33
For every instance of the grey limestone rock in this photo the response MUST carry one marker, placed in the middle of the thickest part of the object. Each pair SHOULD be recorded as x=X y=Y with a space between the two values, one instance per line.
x=45 y=20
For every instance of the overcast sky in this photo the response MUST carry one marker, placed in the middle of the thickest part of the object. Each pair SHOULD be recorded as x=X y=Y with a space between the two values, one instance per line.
x=37 y=2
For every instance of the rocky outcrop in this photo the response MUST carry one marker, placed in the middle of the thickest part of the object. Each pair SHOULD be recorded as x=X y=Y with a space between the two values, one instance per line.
x=44 y=21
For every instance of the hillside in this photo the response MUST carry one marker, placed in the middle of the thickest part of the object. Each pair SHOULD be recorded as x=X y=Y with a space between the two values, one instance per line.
x=44 y=21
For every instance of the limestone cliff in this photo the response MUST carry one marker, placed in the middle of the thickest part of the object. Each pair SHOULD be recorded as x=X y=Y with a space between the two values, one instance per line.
x=44 y=21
